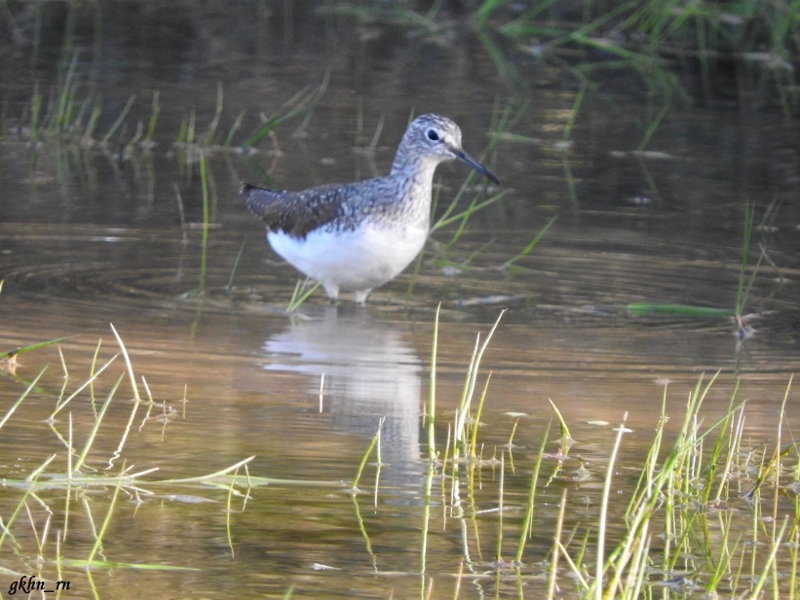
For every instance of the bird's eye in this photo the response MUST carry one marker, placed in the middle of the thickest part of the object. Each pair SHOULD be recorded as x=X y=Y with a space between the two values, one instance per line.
x=432 y=135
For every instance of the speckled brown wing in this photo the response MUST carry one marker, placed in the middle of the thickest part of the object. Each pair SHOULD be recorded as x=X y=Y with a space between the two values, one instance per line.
x=296 y=213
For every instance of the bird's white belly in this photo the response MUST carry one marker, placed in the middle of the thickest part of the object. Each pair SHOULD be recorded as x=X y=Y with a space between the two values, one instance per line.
x=351 y=260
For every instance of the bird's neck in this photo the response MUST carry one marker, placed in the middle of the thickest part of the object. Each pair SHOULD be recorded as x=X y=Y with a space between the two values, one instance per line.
x=417 y=168
x=413 y=184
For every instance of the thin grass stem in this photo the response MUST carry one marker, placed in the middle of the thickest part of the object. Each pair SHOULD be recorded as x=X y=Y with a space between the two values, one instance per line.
x=212 y=129
x=19 y=400
x=119 y=120
x=155 y=111
x=98 y=542
x=30 y=480
x=526 y=529
x=367 y=454
x=95 y=428
x=531 y=244
x=431 y=411
x=239 y=254
x=301 y=294
x=603 y=522
x=60 y=406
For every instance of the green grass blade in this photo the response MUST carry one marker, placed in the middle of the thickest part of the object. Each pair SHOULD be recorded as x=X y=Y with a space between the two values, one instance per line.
x=531 y=244
x=367 y=454
x=119 y=120
x=300 y=294
x=98 y=543
x=59 y=407
x=432 y=393
x=16 y=404
x=24 y=349
x=97 y=422
x=531 y=502
x=639 y=309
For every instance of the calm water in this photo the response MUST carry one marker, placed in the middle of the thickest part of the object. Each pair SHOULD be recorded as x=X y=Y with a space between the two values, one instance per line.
x=92 y=236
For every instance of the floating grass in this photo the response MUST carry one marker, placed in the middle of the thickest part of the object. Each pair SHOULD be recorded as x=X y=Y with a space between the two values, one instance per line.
x=363 y=530
x=669 y=521
x=66 y=97
x=9 y=354
x=640 y=309
x=229 y=510
x=72 y=114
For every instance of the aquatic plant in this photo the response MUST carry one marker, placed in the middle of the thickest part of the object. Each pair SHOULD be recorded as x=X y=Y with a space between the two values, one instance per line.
x=657 y=41
x=694 y=521
x=707 y=510
x=81 y=471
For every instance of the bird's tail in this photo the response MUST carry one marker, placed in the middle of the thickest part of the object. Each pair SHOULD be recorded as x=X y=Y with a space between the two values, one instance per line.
x=259 y=200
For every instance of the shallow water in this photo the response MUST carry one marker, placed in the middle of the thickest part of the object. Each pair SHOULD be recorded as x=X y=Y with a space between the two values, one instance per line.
x=87 y=239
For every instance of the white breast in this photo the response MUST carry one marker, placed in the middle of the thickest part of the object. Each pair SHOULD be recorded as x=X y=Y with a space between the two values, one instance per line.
x=362 y=259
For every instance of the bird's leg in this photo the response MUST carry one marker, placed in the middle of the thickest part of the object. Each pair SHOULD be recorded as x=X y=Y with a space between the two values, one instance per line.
x=361 y=296
x=332 y=290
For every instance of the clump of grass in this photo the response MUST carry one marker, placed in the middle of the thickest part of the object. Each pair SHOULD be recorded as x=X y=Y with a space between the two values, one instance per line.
x=70 y=113
x=653 y=41
x=747 y=277
x=656 y=40
x=81 y=467
x=686 y=528
x=302 y=291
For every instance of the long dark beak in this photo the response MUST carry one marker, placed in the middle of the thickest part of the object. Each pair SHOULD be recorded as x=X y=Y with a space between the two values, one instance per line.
x=467 y=159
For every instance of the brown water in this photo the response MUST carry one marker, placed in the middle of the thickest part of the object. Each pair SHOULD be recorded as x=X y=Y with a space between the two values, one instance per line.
x=87 y=239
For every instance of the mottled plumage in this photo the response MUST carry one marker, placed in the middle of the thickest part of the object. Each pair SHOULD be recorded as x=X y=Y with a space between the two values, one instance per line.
x=357 y=236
